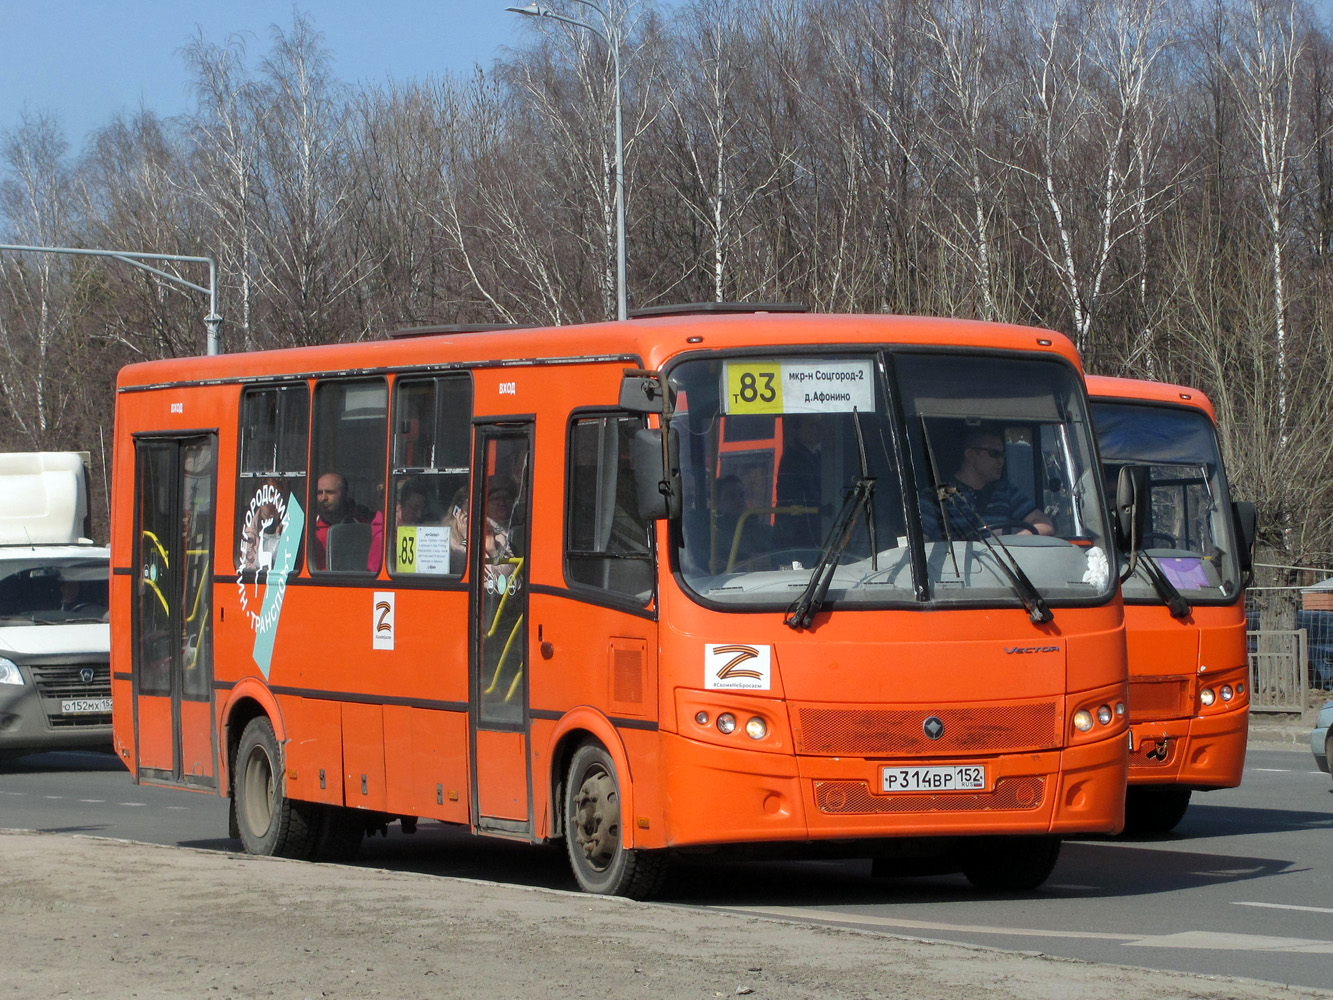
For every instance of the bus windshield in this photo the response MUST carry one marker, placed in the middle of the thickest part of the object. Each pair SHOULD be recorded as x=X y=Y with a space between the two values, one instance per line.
x=906 y=477
x=1189 y=533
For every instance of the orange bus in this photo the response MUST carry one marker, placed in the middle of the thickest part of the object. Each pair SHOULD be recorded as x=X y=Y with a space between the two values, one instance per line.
x=481 y=577
x=1189 y=701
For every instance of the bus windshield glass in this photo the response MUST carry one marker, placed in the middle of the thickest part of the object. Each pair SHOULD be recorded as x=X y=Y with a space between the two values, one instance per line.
x=1189 y=533
x=903 y=477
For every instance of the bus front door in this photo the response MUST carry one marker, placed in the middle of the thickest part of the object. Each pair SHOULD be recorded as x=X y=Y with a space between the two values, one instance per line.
x=498 y=687
x=172 y=616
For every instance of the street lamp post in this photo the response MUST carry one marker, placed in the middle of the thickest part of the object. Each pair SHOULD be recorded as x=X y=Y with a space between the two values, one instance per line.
x=611 y=36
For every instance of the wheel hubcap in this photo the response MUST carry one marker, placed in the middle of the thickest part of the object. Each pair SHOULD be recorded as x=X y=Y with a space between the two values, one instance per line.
x=258 y=785
x=597 y=819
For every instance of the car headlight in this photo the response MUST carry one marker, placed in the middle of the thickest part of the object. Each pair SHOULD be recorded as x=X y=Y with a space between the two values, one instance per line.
x=9 y=672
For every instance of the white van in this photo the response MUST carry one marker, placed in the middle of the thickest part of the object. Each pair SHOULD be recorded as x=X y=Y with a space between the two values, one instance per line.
x=55 y=640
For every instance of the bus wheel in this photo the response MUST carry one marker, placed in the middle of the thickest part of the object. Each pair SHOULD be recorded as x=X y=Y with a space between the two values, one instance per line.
x=592 y=832
x=1010 y=864
x=1154 y=810
x=270 y=823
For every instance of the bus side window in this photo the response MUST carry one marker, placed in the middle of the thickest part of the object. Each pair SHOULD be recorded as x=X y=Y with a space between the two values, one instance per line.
x=606 y=545
x=271 y=471
x=429 y=483
x=351 y=420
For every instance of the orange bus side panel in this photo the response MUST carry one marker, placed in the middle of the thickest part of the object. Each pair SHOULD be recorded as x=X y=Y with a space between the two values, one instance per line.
x=196 y=739
x=425 y=762
x=502 y=787
x=154 y=748
x=363 y=756
x=314 y=752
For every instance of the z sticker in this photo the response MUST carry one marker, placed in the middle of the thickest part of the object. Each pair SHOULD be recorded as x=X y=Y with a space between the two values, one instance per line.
x=737 y=667
x=383 y=621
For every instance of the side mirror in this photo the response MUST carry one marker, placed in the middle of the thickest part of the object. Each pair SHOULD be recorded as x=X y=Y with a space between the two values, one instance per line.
x=1245 y=517
x=642 y=391
x=1131 y=509
x=656 y=474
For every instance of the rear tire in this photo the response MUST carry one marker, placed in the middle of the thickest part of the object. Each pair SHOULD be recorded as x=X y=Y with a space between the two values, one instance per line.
x=1150 y=809
x=270 y=823
x=1009 y=864
x=600 y=862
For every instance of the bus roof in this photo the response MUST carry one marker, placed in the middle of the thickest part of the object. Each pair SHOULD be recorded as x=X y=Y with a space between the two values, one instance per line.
x=1107 y=387
x=650 y=342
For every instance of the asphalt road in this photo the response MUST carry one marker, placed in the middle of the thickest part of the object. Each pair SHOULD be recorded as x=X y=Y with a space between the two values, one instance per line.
x=1243 y=887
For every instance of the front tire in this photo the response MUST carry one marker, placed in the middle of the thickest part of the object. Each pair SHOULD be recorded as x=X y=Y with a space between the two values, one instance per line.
x=270 y=824
x=600 y=862
x=1010 y=864
x=1151 y=810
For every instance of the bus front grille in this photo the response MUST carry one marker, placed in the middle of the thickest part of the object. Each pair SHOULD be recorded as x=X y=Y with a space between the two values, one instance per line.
x=847 y=730
x=1159 y=698
x=59 y=683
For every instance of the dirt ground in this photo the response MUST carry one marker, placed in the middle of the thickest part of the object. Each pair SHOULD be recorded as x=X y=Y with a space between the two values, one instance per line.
x=81 y=916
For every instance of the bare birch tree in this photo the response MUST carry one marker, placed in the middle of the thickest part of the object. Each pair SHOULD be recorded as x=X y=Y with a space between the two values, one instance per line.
x=1089 y=100
x=223 y=172
x=1268 y=43
x=37 y=201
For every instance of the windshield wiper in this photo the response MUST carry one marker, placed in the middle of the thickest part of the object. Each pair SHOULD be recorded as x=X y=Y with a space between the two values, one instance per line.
x=1166 y=590
x=862 y=493
x=803 y=611
x=1038 y=612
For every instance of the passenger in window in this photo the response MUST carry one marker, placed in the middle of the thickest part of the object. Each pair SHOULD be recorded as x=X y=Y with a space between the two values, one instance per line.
x=334 y=505
x=411 y=503
x=983 y=490
x=499 y=571
x=456 y=522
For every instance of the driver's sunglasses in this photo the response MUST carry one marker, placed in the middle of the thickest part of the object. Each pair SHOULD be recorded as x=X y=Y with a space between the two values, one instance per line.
x=992 y=452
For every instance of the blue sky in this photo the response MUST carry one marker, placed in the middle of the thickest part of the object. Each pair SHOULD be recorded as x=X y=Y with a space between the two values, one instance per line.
x=85 y=60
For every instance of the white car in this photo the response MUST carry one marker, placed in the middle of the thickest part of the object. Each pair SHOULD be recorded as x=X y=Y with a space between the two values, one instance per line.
x=55 y=640
x=1320 y=744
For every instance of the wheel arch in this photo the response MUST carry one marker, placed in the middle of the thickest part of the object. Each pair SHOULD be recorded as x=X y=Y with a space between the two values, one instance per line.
x=248 y=700
x=576 y=727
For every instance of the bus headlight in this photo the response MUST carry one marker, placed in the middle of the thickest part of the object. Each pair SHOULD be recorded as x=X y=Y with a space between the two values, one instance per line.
x=1082 y=720
x=1104 y=715
x=756 y=728
x=726 y=723
x=9 y=672
x=701 y=717
x=1226 y=692
x=1207 y=697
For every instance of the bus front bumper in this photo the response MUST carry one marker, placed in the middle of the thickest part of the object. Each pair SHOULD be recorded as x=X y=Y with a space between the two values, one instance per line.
x=724 y=795
x=1203 y=752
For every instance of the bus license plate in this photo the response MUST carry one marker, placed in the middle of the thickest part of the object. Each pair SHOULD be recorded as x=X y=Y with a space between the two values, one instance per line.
x=964 y=778
x=78 y=706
